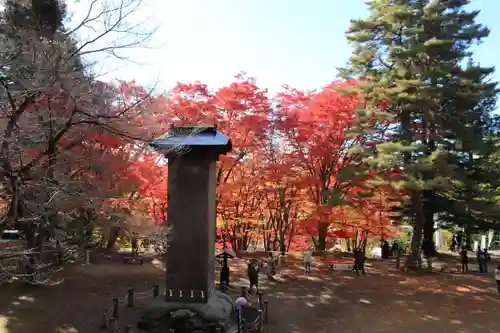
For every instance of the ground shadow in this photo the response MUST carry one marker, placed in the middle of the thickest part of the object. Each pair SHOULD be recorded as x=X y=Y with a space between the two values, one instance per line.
x=385 y=300
x=75 y=306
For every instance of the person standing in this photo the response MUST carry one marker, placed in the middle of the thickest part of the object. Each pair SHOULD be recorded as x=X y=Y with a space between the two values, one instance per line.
x=385 y=250
x=497 y=278
x=307 y=262
x=399 y=254
x=394 y=248
x=354 y=254
x=481 y=258
x=464 y=259
x=486 y=260
x=359 y=261
x=271 y=270
x=454 y=243
x=135 y=244
x=253 y=275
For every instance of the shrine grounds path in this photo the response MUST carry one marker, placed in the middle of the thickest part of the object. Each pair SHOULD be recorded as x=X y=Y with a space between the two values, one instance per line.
x=385 y=300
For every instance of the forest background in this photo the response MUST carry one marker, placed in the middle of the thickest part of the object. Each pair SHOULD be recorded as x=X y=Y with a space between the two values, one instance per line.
x=406 y=134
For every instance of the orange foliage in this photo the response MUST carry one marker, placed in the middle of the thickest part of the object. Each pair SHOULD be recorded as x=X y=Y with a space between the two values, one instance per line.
x=288 y=158
x=291 y=156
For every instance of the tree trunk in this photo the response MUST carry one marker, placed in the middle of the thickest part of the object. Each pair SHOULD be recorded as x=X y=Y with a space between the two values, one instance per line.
x=322 y=230
x=364 y=242
x=413 y=259
x=282 y=241
x=291 y=234
x=428 y=244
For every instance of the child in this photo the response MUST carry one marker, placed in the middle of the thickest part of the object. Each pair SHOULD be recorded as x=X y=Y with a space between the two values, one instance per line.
x=241 y=301
x=497 y=278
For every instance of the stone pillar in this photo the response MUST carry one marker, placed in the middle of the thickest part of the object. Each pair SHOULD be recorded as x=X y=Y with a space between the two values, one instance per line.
x=192 y=220
x=192 y=153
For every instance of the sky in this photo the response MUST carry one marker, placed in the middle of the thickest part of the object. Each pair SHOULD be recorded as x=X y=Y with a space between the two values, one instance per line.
x=295 y=42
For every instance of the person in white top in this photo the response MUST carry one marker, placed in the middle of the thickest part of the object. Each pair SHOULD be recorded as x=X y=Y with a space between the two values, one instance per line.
x=497 y=278
x=270 y=266
x=307 y=262
x=241 y=301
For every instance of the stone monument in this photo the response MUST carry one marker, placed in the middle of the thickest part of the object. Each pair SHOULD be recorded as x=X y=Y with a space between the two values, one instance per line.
x=191 y=303
x=224 y=271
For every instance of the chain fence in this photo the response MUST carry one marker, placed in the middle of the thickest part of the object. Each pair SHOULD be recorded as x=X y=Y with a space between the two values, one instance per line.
x=249 y=320
x=252 y=319
x=111 y=315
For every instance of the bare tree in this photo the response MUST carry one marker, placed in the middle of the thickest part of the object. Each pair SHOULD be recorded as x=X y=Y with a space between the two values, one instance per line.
x=111 y=26
x=50 y=101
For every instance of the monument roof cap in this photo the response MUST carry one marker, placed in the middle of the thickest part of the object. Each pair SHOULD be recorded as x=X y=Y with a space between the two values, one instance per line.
x=192 y=136
x=226 y=252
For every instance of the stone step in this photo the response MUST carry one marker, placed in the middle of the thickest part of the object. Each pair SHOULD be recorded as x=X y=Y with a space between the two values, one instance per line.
x=341 y=266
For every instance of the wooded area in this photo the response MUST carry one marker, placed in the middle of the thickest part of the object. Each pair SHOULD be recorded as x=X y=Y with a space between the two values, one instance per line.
x=406 y=134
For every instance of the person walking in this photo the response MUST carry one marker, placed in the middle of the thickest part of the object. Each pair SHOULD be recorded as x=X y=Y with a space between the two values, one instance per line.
x=308 y=262
x=253 y=275
x=135 y=244
x=354 y=254
x=481 y=259
x=359 y=261
x=464 y=260
x=497 y=278
x=270 y=267
x=487 y=259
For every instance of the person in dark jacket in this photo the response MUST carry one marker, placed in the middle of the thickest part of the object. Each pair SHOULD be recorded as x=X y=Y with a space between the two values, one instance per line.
x=464 y=259
x=253 y=275
x=394 y=248
x=135 y=244
x=359 y=261
x=385 y=250
x=481 y=260
x=487 y=259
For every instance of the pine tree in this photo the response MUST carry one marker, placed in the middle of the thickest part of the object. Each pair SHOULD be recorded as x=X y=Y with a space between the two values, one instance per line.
x=415 y=54
x=475 y=203
x=34 y=43
x=42 y=16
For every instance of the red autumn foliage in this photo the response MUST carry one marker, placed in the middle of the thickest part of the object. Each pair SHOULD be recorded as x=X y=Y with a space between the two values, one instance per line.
x=291 y=154
x=292 y=176
x=317 y=128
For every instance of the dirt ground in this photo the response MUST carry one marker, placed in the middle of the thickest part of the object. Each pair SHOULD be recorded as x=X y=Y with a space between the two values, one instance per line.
x=385 y=300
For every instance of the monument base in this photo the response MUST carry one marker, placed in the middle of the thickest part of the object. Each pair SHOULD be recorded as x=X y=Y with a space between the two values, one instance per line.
x=161 y=316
